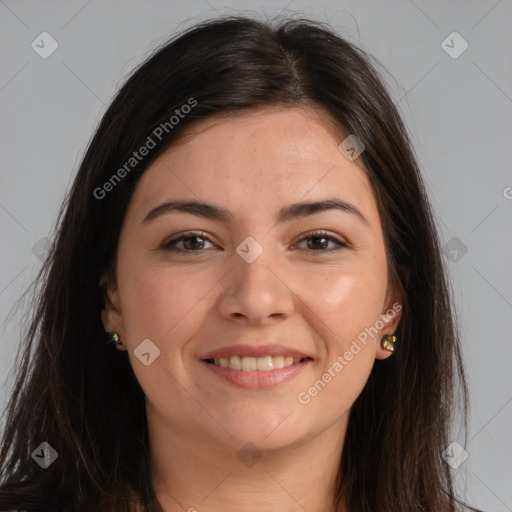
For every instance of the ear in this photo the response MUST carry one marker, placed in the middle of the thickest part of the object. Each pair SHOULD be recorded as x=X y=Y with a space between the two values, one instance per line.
x=390 y=318
x=111 y=315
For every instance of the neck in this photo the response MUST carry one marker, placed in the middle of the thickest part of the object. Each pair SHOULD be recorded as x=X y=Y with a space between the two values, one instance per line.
x=192 y=473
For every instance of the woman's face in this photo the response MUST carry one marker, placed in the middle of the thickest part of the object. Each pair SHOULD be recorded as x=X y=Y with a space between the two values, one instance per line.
x=254 y=279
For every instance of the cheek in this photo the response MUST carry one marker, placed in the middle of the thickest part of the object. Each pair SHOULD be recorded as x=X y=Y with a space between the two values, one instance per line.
x=348 y=303
x=160 y=303
x=346 y=307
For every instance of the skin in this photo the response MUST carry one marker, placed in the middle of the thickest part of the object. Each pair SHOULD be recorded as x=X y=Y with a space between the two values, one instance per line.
x=294 y=294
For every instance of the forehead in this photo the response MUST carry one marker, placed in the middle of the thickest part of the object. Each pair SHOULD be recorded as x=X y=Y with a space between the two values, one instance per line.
x=257 y=158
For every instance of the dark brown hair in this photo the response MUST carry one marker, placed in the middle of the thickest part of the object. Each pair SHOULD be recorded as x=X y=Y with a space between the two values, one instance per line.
x=76 y=393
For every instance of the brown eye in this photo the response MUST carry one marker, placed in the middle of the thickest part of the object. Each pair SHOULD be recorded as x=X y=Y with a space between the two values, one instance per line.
x=192 y=242
x=319 y=242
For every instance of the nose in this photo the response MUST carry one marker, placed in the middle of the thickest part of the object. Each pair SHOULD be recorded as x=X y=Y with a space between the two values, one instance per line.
x=256 y=293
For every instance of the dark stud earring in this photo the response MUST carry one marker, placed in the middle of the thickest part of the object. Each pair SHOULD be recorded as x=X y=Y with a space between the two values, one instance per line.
x=113 y=339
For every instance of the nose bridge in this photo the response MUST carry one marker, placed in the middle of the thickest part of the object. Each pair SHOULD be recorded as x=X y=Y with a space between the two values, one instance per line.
x=256 y=290
x=257 y=277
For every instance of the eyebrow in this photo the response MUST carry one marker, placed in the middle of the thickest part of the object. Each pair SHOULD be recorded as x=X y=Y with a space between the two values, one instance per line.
x=286 y=214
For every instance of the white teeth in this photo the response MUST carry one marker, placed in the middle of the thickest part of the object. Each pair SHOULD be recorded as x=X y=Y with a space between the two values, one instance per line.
x=235 y=363
x=250 y=364
x=265 y=363
x=278 y=362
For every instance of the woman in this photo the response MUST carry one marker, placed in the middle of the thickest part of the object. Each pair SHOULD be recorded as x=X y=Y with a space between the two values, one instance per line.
x=245 y=305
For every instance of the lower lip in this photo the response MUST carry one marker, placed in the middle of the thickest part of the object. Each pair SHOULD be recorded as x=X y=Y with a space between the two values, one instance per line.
x=258 y=379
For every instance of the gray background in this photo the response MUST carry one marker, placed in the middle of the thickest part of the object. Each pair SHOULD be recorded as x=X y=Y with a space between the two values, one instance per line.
x=458 y=110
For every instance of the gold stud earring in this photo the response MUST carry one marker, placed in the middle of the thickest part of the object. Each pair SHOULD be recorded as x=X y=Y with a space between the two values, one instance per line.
x=388 y=342
x=114 y=339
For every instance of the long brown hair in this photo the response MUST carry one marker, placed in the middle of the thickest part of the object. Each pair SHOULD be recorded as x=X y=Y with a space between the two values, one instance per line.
x=81 y=397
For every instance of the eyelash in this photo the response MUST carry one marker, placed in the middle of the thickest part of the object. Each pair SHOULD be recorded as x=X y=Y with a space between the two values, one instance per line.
x=171 y=245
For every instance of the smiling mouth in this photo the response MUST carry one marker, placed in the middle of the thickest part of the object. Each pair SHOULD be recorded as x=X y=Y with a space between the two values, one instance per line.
x=262 y=364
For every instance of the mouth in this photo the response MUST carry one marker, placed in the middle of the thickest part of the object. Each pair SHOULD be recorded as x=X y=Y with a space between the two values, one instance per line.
x=257 y=373
x=260 y=364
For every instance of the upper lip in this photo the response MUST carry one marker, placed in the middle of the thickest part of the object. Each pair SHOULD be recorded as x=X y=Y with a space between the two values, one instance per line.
x=254 y=351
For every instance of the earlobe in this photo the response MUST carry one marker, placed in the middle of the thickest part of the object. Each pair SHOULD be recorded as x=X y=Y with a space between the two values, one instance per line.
x=390 y=320
x=111 y=316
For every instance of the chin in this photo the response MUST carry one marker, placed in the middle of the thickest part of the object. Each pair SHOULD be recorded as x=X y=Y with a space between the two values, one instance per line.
x=265 y=429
